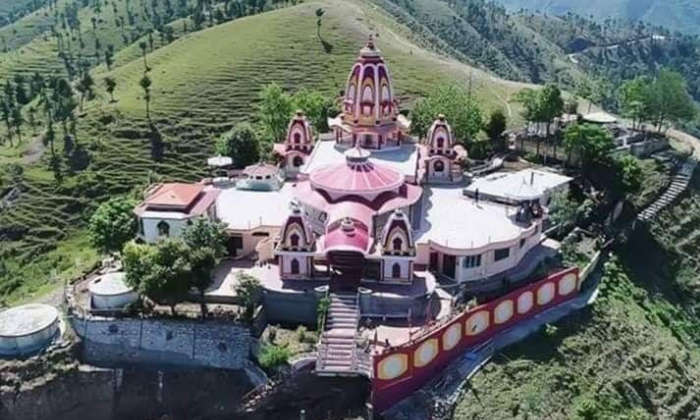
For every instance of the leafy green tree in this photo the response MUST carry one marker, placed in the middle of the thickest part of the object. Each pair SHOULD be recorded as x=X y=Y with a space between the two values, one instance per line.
x=84 y=86
x=591 y=143
x=461 y=111
x=113 y=224
x=248 y=291
x=631 y=175
x=145 y=84
x=17 y=121
x=241 y=144
x=633 y=98
x=274 y=111
x=495 y=127
x=319 y=16
x=563 y=211
x=110 y=85
x=143 y=47
x=668 y=99
x=161 y=271
x=316 y=106
x=207 y=242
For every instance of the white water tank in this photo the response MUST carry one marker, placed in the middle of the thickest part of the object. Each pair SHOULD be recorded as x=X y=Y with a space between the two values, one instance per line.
x=27 y=329
x=110 y=292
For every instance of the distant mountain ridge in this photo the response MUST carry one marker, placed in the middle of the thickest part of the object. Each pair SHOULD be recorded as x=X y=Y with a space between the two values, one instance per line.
x=681 y=15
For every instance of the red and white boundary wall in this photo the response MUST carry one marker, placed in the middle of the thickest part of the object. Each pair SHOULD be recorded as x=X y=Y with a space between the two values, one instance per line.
x=400 y=371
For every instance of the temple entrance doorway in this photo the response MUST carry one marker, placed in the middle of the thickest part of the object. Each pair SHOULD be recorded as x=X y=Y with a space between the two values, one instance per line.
x=347 y=269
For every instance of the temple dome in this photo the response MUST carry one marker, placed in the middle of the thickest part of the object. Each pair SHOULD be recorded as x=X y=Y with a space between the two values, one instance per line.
x=299 y=134
x=369 y=93
x=439 y=138
x=357 y=176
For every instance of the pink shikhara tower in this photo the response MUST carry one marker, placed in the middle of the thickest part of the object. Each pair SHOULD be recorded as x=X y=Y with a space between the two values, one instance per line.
x=370 y=118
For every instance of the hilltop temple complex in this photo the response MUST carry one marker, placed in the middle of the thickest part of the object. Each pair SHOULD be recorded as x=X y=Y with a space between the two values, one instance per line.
x=374 y=220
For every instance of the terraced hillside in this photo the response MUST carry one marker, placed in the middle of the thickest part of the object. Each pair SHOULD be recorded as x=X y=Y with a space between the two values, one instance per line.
x=203 y=83
x=634 y=355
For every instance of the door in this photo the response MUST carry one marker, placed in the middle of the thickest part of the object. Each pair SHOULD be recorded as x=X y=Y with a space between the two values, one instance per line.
x=234 y=245
x=433 y=261
x=448 y=265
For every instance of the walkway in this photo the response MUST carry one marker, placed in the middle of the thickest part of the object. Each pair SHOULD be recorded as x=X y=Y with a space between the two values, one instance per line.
x=678 y=185
x=337 y=349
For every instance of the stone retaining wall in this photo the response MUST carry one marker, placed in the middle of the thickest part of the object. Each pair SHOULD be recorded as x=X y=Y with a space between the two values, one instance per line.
x=111 y=341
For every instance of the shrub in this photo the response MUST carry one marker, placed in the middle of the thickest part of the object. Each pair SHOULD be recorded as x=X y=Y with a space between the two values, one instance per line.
x=272 y=356
x=301 y=333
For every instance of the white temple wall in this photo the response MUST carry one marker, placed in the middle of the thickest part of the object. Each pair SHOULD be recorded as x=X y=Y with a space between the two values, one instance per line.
x=150 y=228
x=387 y=268
x=303 y=264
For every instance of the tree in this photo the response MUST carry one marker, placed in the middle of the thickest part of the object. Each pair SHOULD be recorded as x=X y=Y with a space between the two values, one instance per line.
x=17 y=121
x=113 y=224
x=319 y=15
x=143 y=47
x=668 y=99
x=591 y=143
x=274 y=111
x=84 y=86
x=206 y=240
x=563 y=211
x=630 y=176
x=495 y=127
x=110 y=86
x=241 y=144
x=316 y=106
x=161 y=271
x=633 y=99
x=461 y=111
x=248 y=291
x=145 y=84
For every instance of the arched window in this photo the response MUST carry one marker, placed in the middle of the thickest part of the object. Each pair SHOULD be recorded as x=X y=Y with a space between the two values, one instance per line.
x=396 y=271
x=163 y=228
x=439 y=166
x=297 y=161
x=297 y=138
x=440 y=142
x=397 y=244
x=294 y=239
x=294 y=266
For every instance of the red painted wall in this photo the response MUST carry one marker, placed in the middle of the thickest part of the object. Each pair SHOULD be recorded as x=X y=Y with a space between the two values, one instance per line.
x=400 y=371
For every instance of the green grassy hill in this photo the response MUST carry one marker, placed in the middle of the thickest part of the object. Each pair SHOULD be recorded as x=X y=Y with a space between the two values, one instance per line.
x=634 y=355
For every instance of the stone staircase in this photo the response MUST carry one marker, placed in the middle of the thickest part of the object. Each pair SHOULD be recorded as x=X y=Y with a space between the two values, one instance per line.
x=337 y=348
x=678 y=184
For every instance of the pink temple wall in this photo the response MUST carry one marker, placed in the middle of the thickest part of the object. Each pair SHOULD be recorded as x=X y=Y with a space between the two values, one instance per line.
x=400 y=371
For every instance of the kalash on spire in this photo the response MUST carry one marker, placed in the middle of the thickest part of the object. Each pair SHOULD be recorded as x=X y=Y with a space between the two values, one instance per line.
x=370 y=116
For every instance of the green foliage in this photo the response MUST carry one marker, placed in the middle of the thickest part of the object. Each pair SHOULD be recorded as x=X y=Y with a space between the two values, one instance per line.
x=241 y=144
x=631 y=175
x=590 y=143
x=667 y=99
x=113 y=224
x=321 y=311
x=161 y=271
x=459 y=107
x=494 y=129
x=274 y=110
x=563 y=210
x=248 y=291
x=272 y=356
x=317 y=107
x=203 y=232
x=302 y=333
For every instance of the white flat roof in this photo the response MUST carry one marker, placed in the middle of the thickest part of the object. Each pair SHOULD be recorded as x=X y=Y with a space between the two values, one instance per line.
x=110 y=284
x=528 y=184
x=27 y=319
x=326 y=152
x=452 y=220
x=247 y=209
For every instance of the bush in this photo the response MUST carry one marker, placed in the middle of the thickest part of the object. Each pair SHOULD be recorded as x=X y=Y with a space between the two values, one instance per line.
x=272 y=356
x=301 y=333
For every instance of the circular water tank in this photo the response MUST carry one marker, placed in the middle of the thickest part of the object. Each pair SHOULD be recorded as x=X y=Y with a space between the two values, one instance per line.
x=27 y=329
x=109 y=291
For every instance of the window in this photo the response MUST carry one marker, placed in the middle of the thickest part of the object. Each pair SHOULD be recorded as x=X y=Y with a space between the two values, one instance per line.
x=501 y=254
x=294 y=266
x=440 y=142
x=368 y=140
x=522 y=242
x=297 y=161
x=297 y=138
x=472 y=261
x=294 y=239
x=141 y=229
x=396 y=271
x=439 y=166
x=397 y=244
x=163 y=228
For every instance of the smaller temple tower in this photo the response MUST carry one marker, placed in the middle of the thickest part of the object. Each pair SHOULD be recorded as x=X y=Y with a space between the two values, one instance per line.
x=444 y=157
x=297 y=146
x=398 y=249
x=296 y=246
